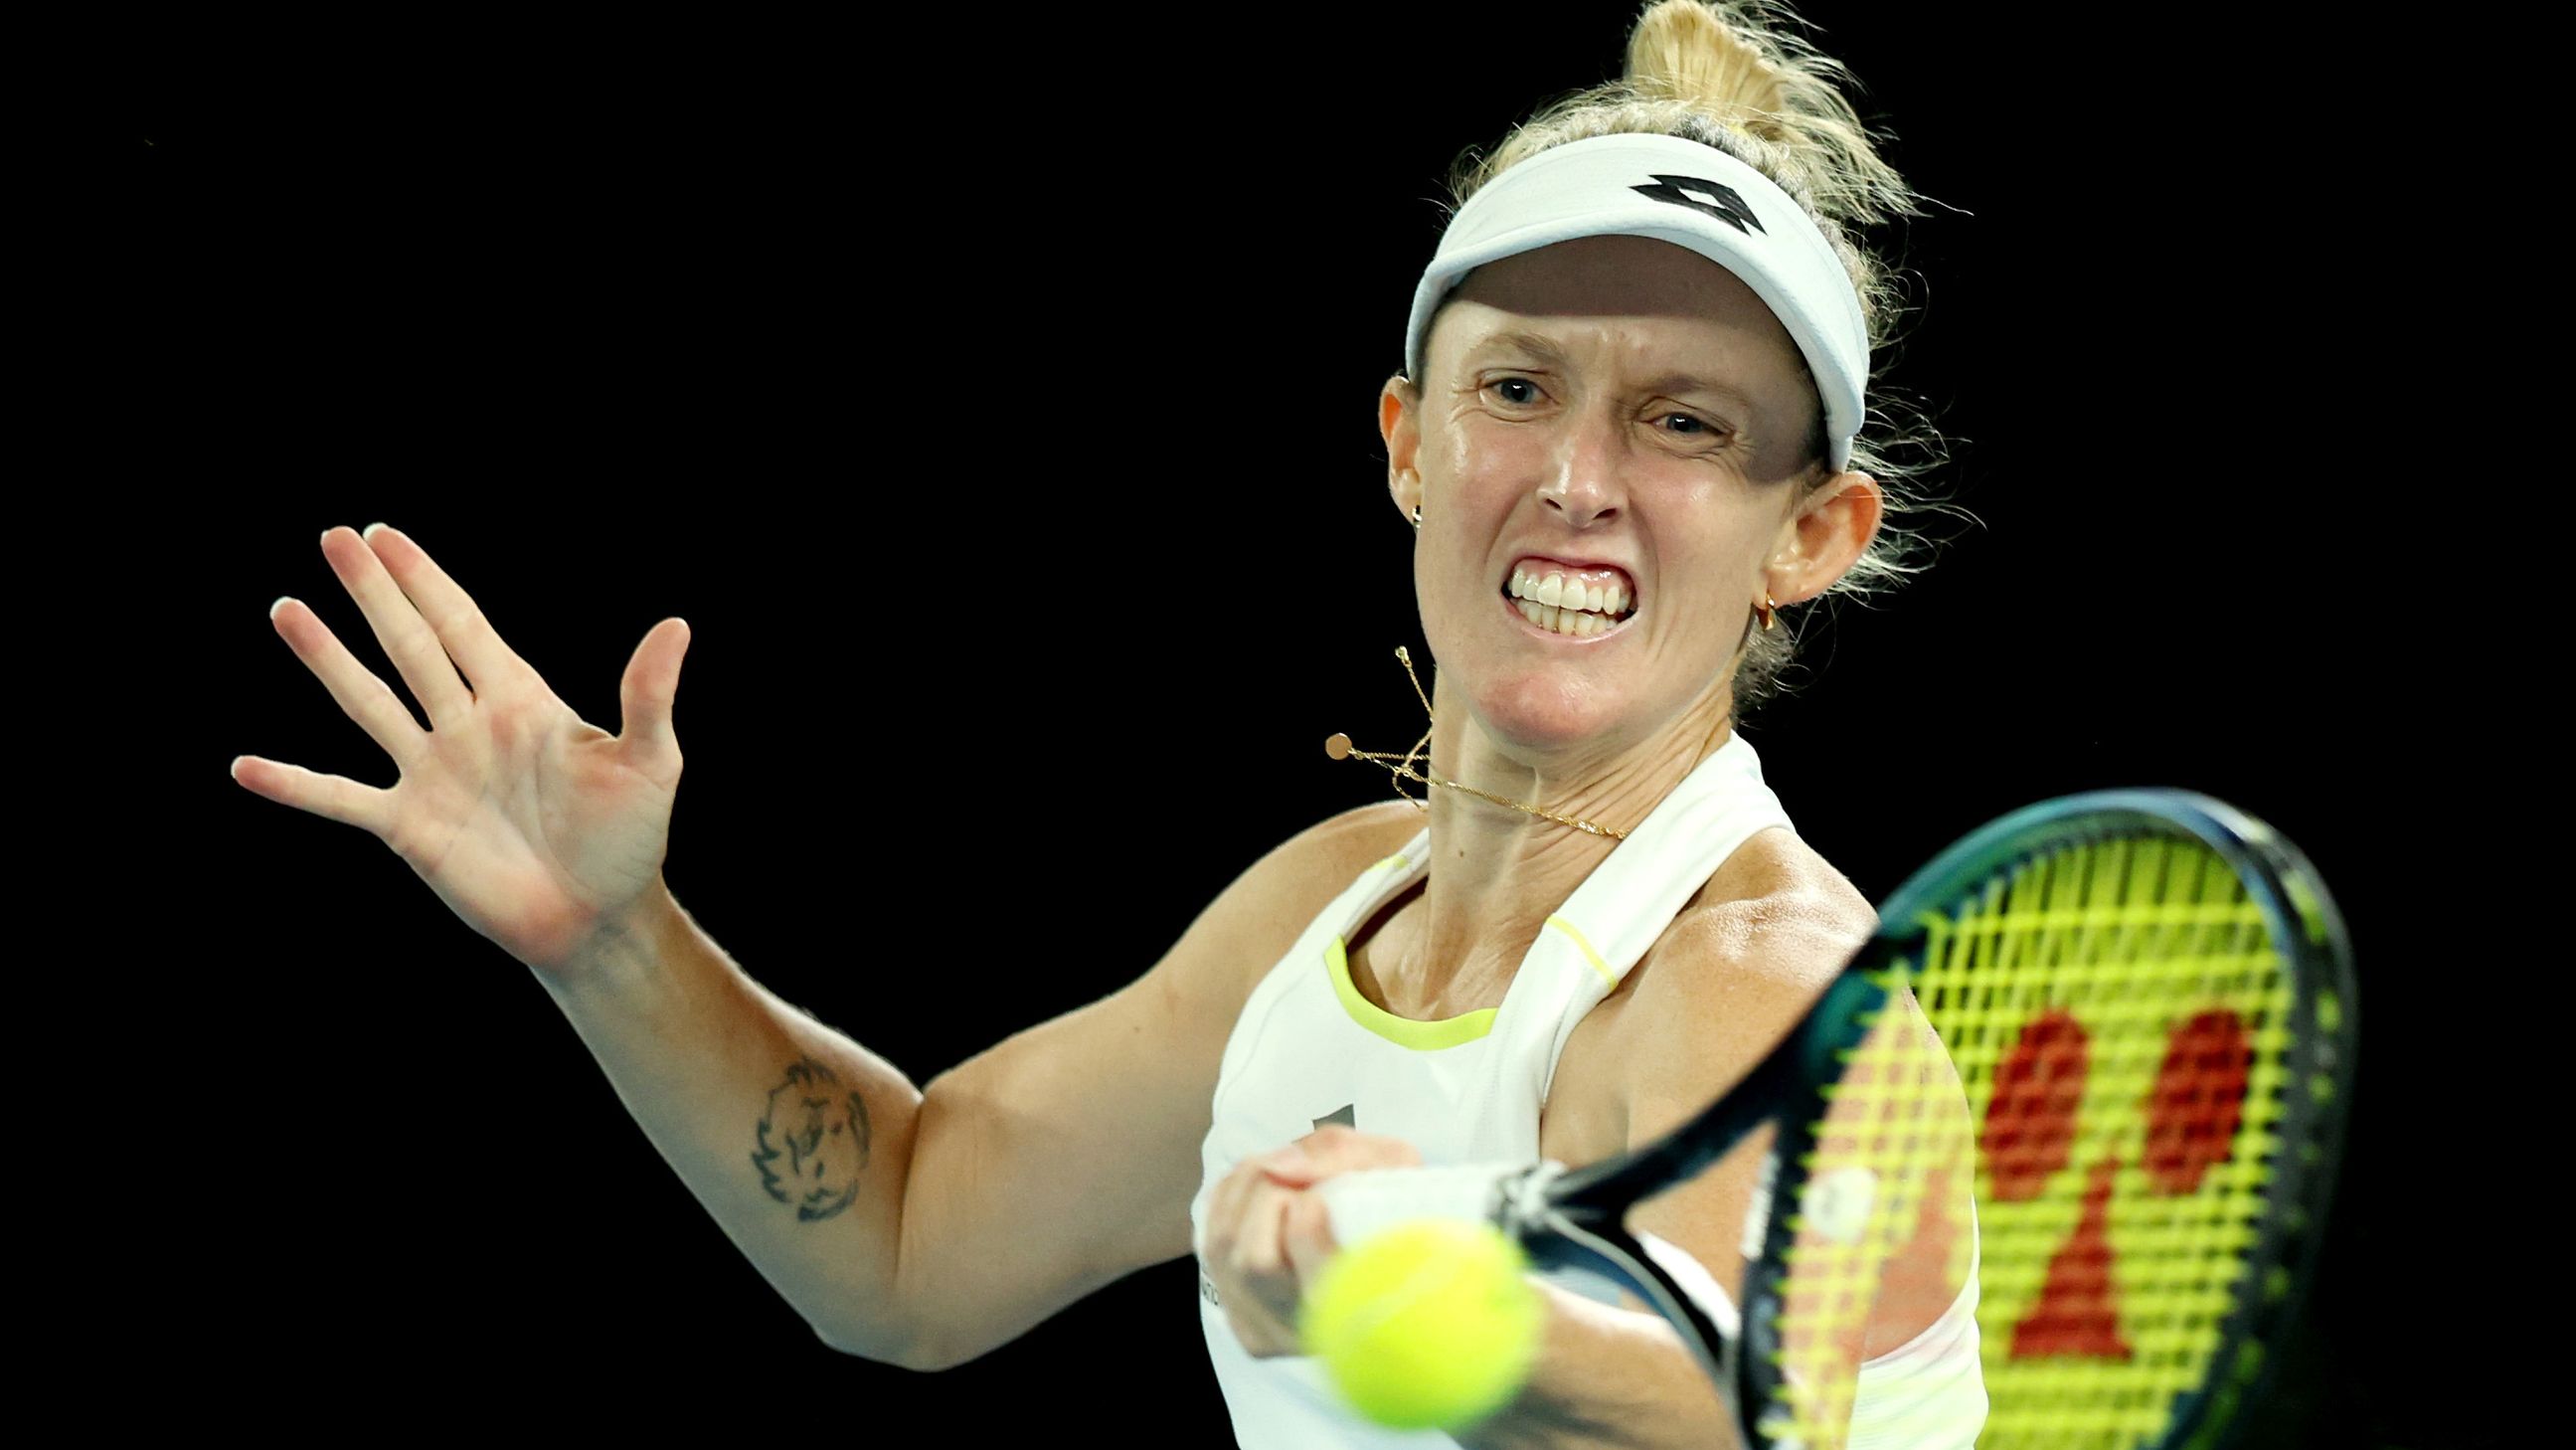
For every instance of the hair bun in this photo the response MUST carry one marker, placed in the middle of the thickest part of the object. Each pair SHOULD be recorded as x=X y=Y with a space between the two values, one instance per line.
x=1683 y=51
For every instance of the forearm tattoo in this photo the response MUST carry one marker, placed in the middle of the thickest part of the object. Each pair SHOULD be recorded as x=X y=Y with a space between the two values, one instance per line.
x=813 y=1142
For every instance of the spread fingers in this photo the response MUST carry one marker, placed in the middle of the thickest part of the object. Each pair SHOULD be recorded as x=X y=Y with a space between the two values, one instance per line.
x=407 y=638
x=452 y=613
x=362 y=696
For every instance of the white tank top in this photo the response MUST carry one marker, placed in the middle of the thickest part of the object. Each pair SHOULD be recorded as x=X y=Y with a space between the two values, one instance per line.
x=1309 y=1050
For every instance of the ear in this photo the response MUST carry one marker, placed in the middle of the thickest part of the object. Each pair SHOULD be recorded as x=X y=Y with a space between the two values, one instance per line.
x=1824 y=538
x=1399 y=423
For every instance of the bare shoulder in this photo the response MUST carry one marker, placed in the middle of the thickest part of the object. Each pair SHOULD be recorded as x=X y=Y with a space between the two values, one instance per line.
x=1736 y=970
x=1775 y=908
x=1277 y=896
x=1741 y=962
x=1359 y=837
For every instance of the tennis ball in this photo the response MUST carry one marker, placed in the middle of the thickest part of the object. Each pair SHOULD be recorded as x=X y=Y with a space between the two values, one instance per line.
x=1428 y=1325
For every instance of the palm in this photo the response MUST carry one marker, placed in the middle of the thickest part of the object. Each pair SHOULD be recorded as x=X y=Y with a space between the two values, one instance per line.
x=529 y=825
x=537 y=829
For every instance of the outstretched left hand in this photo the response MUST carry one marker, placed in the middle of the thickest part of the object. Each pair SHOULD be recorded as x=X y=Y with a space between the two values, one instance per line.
x=1269 y=1235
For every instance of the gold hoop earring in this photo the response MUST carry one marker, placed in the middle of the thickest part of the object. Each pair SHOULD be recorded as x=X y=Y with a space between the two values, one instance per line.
x=1417 y=516
x=1765 y=610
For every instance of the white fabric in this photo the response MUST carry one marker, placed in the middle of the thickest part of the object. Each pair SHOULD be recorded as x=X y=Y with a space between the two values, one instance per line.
x=1930 y=1392
x=1927 y=1394
x=1297 y=1056
x=1681 y=192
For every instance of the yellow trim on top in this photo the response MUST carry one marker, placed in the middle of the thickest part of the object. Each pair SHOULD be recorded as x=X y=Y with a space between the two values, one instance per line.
x=1402 y=1031
x=1589 y=955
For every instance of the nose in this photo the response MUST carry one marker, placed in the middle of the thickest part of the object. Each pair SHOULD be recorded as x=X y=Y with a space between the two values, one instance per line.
x=1583 y=486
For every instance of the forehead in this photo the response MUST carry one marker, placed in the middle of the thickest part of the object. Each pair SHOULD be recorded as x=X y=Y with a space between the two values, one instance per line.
x=1648 y=300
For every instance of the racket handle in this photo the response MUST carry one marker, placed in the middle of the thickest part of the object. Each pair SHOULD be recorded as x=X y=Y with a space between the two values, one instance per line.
x=1372 y=1199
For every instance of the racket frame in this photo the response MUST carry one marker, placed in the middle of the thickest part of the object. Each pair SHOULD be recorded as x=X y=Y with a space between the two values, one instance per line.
x=1572 y=1218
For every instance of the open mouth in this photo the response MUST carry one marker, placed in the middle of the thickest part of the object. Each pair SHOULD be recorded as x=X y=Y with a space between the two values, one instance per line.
x=1576 y=603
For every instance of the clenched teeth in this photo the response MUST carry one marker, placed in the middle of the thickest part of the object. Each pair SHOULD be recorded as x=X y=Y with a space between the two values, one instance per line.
x=1568 y=606
x=1576 y=622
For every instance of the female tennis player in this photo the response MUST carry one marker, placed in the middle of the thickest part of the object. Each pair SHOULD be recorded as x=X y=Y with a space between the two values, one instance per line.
x=1628 y=435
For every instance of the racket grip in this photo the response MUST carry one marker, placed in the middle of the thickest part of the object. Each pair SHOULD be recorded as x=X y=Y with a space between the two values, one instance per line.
x=1366 y=1201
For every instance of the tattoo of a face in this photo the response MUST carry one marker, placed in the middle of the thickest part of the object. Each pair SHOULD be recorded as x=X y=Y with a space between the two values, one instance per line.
x=813 y=1142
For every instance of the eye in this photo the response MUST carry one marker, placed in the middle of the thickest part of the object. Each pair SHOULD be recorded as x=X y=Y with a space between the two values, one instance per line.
x=1706 y=435
x=1519 y=392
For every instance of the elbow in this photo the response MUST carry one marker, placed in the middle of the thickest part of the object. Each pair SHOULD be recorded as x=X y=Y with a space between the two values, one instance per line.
x=918 y=1348
x=877 y=1347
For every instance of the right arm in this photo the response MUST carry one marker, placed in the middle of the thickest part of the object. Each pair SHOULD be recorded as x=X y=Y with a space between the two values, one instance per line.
x=918 y=1228
x=932 y=1227
x=793 y=1137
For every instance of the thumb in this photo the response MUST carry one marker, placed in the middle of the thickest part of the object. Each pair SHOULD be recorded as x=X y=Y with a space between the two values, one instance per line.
x=1293 y=1166
x=645 y=694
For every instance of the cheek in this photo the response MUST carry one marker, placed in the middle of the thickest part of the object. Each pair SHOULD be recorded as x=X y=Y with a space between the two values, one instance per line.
x=1479 y=454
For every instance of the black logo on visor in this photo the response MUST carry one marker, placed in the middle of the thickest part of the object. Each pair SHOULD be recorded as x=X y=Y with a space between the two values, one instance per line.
x=1716 y=198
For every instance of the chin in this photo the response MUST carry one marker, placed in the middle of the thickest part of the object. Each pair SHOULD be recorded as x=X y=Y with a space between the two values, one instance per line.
x=1544 y=711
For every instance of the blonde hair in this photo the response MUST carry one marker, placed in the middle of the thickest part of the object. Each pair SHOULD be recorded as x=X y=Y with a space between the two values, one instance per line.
x=1730 y=74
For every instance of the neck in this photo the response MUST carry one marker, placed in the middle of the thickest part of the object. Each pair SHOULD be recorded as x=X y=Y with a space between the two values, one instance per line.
x=1496 y=873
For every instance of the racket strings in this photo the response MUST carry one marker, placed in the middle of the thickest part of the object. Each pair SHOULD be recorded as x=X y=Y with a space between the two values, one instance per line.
x=2127 y=1073
x=2117 y=1017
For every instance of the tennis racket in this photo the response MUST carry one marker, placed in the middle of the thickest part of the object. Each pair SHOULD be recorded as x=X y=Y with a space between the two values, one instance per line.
x=2144 y=1008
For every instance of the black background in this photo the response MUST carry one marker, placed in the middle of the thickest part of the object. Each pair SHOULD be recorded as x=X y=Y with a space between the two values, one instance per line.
x=995 y=398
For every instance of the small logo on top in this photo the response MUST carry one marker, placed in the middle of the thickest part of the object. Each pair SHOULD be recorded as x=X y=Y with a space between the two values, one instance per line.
x=1714 y=198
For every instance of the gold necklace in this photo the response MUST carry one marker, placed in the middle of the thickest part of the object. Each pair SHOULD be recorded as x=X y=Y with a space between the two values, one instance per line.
x=1339 y=747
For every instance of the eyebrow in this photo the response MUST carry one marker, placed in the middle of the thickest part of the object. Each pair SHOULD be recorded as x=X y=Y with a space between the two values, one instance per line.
x=1528 y=342
x=1548 y=352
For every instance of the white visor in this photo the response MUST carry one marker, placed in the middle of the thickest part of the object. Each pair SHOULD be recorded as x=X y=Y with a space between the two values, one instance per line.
x=1688 y=194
